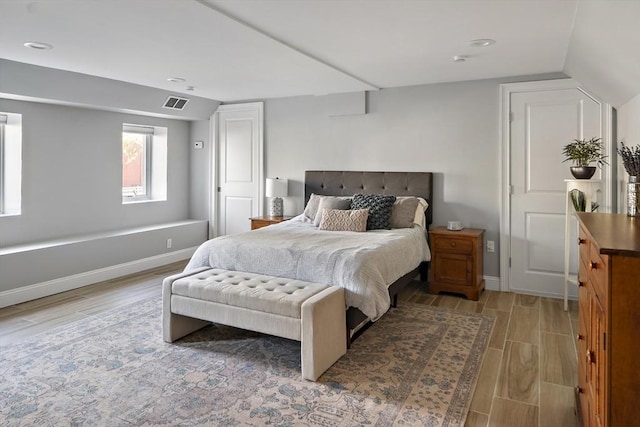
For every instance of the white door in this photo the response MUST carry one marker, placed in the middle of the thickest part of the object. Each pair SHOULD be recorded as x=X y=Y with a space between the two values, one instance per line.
x=542 y=122
x=239 y=166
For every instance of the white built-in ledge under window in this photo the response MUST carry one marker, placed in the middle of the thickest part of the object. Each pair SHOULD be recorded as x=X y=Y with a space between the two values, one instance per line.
x=10 y=164
x=144 y=163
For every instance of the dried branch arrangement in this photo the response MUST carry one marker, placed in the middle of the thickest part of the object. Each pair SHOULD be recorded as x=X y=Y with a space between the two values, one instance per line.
x=630 y=159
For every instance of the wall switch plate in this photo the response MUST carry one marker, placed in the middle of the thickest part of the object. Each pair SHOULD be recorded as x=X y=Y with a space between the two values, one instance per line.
x=169 y=243
x=491 y=246
x=198 y=145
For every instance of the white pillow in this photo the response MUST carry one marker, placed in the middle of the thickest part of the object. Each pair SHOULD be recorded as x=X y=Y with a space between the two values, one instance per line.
x=420 y=217
x=312 y=206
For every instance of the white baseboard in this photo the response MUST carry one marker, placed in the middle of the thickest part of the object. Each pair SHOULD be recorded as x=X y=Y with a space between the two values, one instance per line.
x=491 y=283
x=51 y=287
x=553 y=295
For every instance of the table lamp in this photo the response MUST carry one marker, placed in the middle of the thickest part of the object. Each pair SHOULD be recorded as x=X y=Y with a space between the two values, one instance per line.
x=276 y=188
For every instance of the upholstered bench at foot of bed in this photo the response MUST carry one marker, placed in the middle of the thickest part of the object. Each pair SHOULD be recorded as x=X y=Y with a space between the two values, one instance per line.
x=311 y=313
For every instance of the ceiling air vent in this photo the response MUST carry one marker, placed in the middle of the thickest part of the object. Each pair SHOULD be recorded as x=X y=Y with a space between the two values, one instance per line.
x=175 y=103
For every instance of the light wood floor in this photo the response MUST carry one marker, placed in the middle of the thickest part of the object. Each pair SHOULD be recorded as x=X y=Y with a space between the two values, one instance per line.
x=527 y=377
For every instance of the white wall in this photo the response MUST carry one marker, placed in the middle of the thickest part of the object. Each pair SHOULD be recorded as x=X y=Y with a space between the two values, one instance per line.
x=604 y=49
x=200 y=170
x=34 y=83
x=73 y=227
x=449 y=129
x=72 y=174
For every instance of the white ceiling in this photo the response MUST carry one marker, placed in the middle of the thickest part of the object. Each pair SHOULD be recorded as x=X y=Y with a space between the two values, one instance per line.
x=238 y=49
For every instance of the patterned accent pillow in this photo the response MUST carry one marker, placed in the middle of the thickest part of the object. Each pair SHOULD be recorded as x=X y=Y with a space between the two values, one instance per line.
x=379 y=209
x=344 y=220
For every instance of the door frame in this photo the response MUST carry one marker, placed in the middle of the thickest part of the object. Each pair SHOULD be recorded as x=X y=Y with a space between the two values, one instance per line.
x=214 y=167
x=606 y=120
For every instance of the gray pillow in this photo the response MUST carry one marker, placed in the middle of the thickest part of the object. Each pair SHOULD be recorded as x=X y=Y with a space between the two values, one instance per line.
x=403 y=212
x=329 y=202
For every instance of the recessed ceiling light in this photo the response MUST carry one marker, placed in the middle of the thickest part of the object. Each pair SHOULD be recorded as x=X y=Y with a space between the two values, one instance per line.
x=482 y=42
x=38 y=45
x=460 y=58
x=176 y=80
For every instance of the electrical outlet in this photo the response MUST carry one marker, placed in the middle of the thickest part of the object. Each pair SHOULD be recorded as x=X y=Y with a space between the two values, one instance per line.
x=491 y=246
x=169 y=243
x=198 y=144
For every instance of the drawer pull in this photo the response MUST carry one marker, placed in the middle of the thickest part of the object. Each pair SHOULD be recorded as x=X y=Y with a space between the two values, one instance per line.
x=593 y=265
x=590 y=357
x=581 y=241
x=579 y=337
x=453 y=244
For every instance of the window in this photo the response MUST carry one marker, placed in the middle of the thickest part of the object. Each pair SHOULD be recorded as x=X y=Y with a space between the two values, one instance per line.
x=144 y=163
x=10 y=163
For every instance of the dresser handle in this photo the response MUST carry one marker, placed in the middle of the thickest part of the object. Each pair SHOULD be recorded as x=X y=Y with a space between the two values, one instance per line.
x=579 y=337
x=453 y=244
x=581 y=241
x=593 y=265
x=590 y=357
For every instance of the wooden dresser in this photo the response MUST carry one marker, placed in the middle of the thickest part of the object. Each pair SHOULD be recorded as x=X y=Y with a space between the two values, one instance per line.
x=608 y=337
x=456 y=261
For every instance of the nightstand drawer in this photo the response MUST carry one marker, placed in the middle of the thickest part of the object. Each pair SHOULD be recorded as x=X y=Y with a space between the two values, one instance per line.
x=451 y=244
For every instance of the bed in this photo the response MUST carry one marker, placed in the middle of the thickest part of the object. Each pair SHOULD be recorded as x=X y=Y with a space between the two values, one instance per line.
x=296 y=249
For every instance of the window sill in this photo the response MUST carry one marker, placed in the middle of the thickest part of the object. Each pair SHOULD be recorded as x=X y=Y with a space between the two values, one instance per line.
x=9 y=214
x=135 y=202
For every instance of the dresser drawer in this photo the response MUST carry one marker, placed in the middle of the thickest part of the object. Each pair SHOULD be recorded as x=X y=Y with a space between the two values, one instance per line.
x=452 y=244
x=583 y=244
x=597 y=269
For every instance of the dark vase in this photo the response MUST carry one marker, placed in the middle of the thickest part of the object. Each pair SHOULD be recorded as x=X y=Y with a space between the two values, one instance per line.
x=582 y=172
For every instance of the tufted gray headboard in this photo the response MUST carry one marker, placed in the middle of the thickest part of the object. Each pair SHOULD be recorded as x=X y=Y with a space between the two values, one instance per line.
x=348 y=183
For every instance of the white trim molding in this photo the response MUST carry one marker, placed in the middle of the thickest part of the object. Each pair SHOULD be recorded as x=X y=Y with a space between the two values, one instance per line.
x=491 y=283
x=62 y=284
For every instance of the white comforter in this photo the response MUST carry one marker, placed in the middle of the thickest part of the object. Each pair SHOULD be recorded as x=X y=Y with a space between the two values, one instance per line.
x=362 y=263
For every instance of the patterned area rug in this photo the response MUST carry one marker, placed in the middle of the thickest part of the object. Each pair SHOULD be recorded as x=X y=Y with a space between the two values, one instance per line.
x=417 y=365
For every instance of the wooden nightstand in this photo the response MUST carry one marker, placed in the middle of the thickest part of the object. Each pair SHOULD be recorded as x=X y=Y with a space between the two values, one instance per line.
x=456 y=262
x=263 y=221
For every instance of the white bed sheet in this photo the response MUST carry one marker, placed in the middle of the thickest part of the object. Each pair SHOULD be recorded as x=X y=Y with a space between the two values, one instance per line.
x=364 y=264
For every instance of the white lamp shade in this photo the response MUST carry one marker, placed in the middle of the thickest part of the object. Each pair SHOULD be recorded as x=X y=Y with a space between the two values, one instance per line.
x=277 y=187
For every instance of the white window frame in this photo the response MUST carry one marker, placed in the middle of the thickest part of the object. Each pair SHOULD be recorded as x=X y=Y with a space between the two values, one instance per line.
x=3 y=122
x=155 y=163
x=10 y=164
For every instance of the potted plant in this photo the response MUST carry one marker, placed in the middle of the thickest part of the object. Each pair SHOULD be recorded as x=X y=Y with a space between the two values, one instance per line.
x=583 y=152
x=631 y=163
